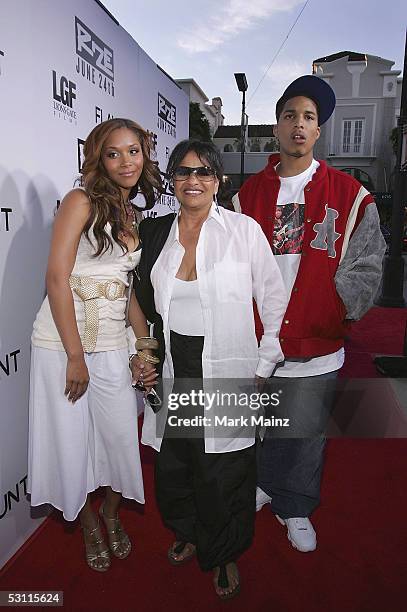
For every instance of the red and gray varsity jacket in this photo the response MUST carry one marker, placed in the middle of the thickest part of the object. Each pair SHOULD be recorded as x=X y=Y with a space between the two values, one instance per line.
x=341 y=259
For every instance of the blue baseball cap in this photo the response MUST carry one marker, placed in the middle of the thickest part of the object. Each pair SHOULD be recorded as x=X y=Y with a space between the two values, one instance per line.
x=314 y=88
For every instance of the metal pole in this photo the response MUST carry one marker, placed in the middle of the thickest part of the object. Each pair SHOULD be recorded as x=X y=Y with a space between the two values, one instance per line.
x=242 y=139
x=393 y=272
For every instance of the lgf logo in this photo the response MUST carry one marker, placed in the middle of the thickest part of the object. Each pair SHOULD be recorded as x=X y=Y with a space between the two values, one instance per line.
x=63 y=91
x=167 y=116
x=64 y=94
x=95 y=61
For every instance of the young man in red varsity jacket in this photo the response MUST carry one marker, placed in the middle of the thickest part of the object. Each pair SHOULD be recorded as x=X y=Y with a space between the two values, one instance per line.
x=324 y=229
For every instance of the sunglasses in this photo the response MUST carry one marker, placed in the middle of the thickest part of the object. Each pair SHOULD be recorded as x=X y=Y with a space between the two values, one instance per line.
x=204 y=173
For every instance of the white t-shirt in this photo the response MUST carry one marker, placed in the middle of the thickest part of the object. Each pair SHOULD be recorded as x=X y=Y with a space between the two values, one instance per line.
x=287 y=246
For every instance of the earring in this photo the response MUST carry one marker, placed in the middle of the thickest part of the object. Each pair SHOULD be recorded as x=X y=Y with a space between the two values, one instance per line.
x=215 y=201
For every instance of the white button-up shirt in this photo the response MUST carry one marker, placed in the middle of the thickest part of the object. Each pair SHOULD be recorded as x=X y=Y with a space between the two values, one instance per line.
x=234 y=264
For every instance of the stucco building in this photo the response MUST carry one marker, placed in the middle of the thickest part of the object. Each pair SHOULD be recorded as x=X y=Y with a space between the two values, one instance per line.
x=357 y=136
x=213 y=111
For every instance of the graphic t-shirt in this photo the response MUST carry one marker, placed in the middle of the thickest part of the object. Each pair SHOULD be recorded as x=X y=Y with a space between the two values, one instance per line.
x=288 y=237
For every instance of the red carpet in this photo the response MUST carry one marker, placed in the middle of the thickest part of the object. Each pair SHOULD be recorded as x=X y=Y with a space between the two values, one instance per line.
x=359 y=566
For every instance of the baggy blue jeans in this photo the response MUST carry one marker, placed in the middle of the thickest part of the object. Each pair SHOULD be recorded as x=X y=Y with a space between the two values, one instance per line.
x=289 y=469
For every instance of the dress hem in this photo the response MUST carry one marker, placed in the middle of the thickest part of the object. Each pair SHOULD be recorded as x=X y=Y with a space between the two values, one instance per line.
x=90 y=491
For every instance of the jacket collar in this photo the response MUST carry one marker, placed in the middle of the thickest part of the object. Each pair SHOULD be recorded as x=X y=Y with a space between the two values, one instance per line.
x=274 y=159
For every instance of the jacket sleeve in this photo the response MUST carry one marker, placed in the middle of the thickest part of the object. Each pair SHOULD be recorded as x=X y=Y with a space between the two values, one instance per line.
x=358 y=276
x=271 y=300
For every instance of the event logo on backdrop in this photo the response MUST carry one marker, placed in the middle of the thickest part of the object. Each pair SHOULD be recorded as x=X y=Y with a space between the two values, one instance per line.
x=95 y=60
x=9 y=363
x=81 y=157
x=101 y=115
x=5 y=218
x=167 y=116
x=153 y=140
x=64 y=95
x=167 y=197
x=12 y=496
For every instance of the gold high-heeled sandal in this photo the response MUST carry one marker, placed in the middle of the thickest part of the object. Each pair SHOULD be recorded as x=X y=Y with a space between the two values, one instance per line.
x=119 y=541
x=92 y=553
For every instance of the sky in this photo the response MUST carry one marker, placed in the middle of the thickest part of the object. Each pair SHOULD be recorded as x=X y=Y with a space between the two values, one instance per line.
x=210 y=40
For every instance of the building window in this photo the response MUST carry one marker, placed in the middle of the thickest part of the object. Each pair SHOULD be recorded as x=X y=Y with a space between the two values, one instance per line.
x=352 y=136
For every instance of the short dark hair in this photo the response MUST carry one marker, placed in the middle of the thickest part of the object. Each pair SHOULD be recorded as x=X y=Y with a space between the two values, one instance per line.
x=282 y=102
x=206 y=151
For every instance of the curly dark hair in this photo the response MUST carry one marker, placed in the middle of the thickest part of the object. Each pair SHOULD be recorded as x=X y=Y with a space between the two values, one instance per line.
x=105 y=196
x=207 y=152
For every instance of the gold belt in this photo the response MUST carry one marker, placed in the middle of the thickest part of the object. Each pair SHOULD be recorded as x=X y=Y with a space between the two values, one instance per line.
x=89 y=290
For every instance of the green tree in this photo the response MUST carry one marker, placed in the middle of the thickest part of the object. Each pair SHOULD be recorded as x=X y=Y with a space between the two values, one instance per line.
x=393 y=139
x=198 y=123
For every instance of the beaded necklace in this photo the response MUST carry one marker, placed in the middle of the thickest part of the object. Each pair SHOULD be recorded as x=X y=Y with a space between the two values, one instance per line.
x=131 y=214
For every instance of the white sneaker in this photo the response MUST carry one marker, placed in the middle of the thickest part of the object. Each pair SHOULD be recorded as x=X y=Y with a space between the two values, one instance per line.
x=261 y=499
x=300 y=532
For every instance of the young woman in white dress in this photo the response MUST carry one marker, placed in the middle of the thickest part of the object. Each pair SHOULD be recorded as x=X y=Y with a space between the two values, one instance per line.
x=83 y=410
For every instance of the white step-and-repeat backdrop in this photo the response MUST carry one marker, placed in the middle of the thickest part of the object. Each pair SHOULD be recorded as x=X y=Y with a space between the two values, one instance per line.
x=64 y=66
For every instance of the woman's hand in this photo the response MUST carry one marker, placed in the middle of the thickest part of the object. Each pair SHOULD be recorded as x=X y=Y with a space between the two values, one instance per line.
x=77 y=378
x=143 y=372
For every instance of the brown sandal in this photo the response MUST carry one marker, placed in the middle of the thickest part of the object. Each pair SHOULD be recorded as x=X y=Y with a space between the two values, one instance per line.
x=222 y=581
x=178 y=548
x=119 y=541
x=93 y=554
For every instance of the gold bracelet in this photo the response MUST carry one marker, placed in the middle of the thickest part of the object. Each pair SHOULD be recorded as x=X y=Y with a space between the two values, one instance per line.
x=148 y=358
x=146 y=342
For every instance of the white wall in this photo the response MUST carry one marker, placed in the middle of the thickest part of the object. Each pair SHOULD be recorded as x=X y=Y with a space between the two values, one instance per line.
x=40 y=144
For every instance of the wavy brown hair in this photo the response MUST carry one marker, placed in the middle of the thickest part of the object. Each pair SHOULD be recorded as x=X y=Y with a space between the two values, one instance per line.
x=106 y=199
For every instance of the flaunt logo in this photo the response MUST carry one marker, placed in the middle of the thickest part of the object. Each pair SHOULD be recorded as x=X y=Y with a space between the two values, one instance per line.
x=167 y=116
x=16 y=494
x=9 y=363
x=5 y=224
x=100 y=115
x=95 y=59
x=81 y=157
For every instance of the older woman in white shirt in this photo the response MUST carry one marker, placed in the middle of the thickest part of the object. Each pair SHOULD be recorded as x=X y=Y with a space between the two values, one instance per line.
x=213 y=263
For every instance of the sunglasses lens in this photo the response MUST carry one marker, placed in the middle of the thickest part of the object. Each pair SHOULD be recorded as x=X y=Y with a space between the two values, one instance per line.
x=204 y=173
x=181 y=173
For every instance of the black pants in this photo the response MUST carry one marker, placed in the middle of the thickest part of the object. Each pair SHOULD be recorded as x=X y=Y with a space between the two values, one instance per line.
x=207 y=499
